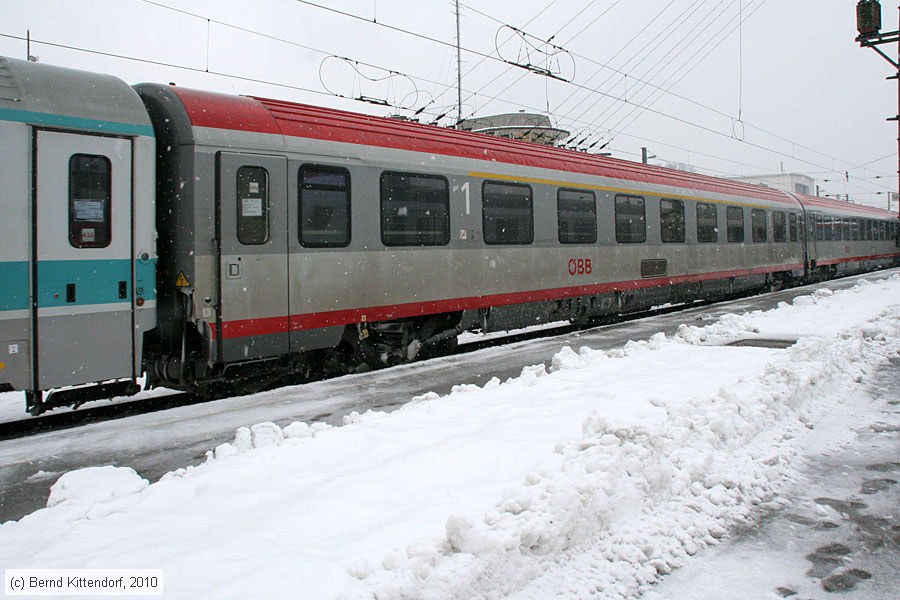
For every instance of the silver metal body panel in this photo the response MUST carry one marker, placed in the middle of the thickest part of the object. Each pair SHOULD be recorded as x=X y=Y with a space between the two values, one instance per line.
x=368 y=275
x=241 y=305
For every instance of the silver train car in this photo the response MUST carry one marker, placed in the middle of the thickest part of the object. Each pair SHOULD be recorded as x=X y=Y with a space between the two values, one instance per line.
x=290 y=241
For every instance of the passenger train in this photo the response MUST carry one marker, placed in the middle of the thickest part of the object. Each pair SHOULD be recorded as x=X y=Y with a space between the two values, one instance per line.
x=217 y=243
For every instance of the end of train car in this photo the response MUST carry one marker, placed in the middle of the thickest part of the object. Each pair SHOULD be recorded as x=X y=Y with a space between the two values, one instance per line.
x=78 y=257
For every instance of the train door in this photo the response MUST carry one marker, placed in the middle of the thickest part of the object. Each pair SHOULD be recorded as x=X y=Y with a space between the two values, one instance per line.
x=82 y=260
x=252 y=257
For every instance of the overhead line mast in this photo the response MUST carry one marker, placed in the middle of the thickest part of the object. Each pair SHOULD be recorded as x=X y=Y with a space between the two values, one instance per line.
x=868 y=24
x=459 y=117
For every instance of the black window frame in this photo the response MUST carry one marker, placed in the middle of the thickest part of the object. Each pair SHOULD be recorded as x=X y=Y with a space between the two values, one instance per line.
x=246 y=234
x=90 y=196
x=303 y=232
x=793 y=227
x=677 y=234
x=779 y=230
x=759 y=225
x=627 y=235
x=734 y=233
x=408 y=236
x=571 y=221
x=703 y=231
x=492 y=197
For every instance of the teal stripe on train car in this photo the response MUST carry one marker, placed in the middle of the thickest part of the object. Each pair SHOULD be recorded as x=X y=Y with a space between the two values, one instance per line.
x=95 y=281
x=14 y=285
x=38 y=118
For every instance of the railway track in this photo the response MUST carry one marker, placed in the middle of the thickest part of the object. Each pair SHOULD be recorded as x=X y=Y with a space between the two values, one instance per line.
x=97 y=412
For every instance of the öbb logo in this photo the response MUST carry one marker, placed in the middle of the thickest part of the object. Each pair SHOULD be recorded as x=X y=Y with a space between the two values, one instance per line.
x=580 y=266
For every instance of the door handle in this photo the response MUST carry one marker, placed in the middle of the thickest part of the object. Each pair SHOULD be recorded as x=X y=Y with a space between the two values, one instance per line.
x=123 y=290
x=70 y=292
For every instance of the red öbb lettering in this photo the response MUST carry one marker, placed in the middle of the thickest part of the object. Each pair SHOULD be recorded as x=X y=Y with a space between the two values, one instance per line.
x=580 y=266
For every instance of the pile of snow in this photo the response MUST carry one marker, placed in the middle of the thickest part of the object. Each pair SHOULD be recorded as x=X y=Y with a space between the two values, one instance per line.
x=637 y=457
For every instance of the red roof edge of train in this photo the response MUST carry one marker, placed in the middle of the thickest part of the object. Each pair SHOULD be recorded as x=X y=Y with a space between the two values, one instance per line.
x=831 y=203
x=265 y=115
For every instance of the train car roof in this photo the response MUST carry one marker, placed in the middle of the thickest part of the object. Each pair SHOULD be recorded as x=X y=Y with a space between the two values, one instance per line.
x=40 y=94
x=833 y=205
x=268 y=116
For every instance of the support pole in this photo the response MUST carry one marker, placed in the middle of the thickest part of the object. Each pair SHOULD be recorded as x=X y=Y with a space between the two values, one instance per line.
x=868 y=22
x=459 y=115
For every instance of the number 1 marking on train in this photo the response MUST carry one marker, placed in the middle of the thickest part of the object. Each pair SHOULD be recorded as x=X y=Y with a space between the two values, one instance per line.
x=465 y=188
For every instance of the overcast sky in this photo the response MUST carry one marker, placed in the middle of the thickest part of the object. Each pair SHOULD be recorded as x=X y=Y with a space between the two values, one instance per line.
x=788 y=90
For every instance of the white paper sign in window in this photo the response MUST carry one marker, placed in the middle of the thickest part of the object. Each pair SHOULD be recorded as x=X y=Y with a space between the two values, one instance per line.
x=88 y=210
x=251 y=207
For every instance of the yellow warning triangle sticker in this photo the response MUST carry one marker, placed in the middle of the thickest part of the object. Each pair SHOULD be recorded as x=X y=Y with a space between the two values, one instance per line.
x=182 y=281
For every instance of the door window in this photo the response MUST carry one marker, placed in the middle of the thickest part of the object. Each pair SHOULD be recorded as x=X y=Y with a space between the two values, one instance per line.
x=252 y=205
x=90 y=191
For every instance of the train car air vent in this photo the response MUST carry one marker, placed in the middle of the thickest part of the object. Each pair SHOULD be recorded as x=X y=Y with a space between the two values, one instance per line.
x=655 y=267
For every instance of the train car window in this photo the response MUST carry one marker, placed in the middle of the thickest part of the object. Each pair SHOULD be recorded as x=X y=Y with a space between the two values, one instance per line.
x=845 y=226
x=868 y=230
x=779 y=226
x=707 y=223
x=820 y=228
x=324 y=197
x=415 y=210
x=759 y=225
x=252 y=205
x=507 y=213
x=734 y=222
x=792 y=226
x=671 y=220
x=827 y=229
x=90 y=195
x=576 y=217
x=631 y=220
x=854 y=229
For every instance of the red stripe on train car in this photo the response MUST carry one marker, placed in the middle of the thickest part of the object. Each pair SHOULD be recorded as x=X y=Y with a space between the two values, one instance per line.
x=836 y=261
x=300 y=322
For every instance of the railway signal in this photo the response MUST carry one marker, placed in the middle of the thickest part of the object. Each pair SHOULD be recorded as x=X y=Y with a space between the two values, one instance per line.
x=868 y=24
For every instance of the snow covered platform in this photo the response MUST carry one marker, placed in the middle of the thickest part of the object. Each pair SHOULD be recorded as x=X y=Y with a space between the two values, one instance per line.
x=594 y=477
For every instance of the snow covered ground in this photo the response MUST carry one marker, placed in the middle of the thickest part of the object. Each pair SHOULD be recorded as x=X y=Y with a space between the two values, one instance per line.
x=593 y=478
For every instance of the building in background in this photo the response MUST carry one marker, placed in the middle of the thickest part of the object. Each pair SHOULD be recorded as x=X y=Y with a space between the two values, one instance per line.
x=788 y=182
x=530 y=127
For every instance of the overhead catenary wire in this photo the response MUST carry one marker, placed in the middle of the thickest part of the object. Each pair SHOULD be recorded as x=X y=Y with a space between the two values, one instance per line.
x=673 y=94
x=304 y=89
x=442 y=42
